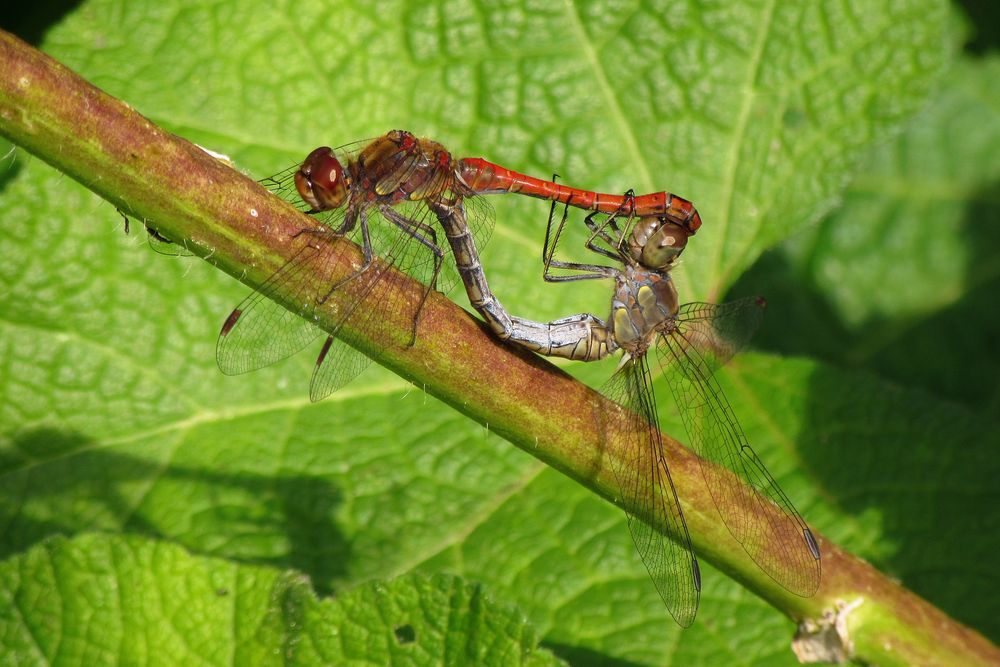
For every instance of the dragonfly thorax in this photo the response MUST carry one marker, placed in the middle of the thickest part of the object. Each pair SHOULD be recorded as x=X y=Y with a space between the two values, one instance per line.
x=644 y=305
x=656 y=242
x=399 y=166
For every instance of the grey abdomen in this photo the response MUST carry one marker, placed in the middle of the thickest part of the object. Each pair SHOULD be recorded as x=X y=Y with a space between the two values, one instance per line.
x=582 y=337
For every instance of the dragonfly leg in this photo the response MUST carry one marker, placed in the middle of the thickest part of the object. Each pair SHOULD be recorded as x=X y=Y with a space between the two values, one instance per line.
x=366 y=249
x=419 y=231
x=586 y=271
x=551 y=240
x=599 y=231
x=125 y=218
x=627 y=207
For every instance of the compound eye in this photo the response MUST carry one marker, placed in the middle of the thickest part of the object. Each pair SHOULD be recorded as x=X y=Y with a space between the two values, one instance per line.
x=321 y=181
x=665 y=245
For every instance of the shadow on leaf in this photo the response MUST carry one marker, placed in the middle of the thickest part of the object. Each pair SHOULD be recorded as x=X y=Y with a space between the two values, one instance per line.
x=950 y=353
x=585 y=657
x=915 y=481
x=984 y=17
x=30 y=21
x=286 y=521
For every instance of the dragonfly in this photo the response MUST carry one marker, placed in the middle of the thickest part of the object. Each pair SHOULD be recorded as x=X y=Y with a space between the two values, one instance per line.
x=689 y=342
x=376 y=194
x=380 y=193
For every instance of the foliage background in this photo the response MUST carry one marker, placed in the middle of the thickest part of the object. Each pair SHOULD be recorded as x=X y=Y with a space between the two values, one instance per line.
x=845 y=159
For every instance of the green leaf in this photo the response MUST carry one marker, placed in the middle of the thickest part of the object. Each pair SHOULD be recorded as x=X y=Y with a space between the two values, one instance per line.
x=901 y=279
x=115 y=417
x=104 y=599
x=909 y=266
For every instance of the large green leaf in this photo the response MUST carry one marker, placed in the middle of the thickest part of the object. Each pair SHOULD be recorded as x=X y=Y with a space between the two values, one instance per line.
x=908 y=268
x=101 y=599
x=115 y=418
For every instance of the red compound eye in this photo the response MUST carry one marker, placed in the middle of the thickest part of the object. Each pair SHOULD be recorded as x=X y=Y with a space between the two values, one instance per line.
x=320 y=180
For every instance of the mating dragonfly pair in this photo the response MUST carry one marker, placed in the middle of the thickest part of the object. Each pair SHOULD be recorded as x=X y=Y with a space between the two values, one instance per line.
x=391 y=195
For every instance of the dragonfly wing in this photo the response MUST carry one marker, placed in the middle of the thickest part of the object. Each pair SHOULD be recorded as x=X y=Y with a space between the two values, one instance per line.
x=641 y=471
x=720 y=331
x=396 y=247
x=478 y=212
x=282 y=185
x=754 y=508
x=337 y=364
x=260 y=331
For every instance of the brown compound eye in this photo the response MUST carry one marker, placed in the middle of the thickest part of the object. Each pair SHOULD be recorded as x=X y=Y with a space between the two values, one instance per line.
x=320 y=180
x=665 y=245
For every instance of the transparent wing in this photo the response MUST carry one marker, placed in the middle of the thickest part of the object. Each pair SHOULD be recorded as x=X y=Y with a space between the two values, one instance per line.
x=260 y=331
x=398 y=246
x=642 y=473
x=752 y=505
x=720 y=331
x=481 y=218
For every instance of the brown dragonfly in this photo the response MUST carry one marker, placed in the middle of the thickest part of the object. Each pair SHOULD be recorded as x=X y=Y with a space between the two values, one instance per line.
x=374 y=193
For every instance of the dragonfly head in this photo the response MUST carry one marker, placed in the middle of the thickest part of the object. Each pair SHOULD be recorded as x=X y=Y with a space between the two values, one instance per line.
x=656 y=242
x=321 y=180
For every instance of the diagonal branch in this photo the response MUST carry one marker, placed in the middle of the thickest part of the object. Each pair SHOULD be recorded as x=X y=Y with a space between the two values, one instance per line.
x=234 y=224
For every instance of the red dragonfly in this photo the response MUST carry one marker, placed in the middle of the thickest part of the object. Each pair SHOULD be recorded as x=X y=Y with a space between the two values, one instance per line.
x=379 y=193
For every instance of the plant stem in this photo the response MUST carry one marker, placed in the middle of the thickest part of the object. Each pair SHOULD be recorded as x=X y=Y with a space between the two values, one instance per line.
x=230 y=221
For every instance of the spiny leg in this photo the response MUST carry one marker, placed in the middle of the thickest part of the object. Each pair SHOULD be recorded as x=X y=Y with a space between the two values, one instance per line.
x=366 y=247
x=599 y=233
x=549 y=246
x=552 y=240
x=367 y=252
x=587 y=271
x=599 y=230
x=416 y=229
